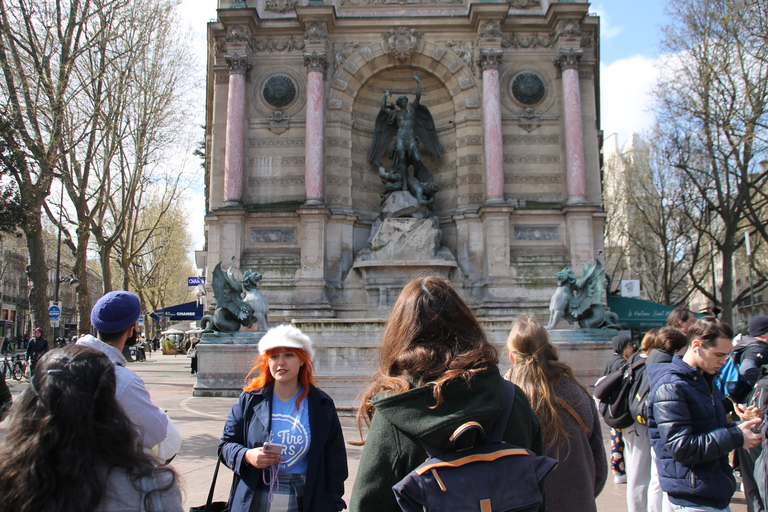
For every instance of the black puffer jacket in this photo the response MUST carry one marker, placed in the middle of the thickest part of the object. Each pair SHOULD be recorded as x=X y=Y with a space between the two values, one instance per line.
x=750 y=354
x=690 y=436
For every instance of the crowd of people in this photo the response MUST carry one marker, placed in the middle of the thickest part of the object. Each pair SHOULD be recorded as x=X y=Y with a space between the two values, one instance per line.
x=85 y=434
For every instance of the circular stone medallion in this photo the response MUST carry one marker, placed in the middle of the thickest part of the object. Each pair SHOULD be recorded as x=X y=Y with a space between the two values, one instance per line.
x=279 y=91
x=528 y=88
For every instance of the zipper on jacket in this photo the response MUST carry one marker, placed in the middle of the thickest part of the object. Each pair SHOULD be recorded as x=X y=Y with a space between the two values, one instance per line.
x=692 y=484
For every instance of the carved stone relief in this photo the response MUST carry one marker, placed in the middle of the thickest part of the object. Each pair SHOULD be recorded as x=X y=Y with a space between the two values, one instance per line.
x=537 y=233
x=273 y=235
x=568 y=28
x=490 y=29
x=372 y=3
x=489 y=58
x=279 y=91
x=316 y=61
x=528 y=88
x=270 y=45
x=238 y=34
x=280 y=5
x=524 y=4
x=516 y=40
x=401 y=42
x=463 y=49
x=279 y=122
x=341 y=52
x=528 y=120
x=316 y=32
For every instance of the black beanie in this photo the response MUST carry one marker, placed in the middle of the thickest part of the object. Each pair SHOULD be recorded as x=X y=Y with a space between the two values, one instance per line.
x=758 y=326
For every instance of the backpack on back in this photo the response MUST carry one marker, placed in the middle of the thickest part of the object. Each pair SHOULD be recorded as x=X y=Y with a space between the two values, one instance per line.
x=730 y=383
x=492 y=476
x=638 y=396
x=614 y=391
x=758 y=397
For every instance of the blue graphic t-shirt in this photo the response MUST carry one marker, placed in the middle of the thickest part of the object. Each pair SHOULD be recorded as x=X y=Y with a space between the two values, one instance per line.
x=290 y=428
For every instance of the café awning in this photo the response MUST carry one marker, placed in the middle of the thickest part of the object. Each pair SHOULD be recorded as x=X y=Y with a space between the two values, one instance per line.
x=638 y=313
x=187 y=311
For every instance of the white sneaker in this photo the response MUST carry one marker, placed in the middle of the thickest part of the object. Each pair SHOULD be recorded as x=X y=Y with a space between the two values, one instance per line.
x=619 y=479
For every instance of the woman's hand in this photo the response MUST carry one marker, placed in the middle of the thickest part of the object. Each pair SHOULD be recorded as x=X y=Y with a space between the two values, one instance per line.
x=746 y=413
x=258 y=459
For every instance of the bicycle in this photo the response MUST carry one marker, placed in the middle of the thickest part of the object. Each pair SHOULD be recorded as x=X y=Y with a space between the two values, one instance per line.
x=13 y=368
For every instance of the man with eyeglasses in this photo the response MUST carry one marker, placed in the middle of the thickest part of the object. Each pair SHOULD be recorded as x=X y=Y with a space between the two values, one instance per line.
x=689 y=431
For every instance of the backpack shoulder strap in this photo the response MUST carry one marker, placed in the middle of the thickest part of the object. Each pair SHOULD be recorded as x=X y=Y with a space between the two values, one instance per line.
x=565 y=405
x=497 y=432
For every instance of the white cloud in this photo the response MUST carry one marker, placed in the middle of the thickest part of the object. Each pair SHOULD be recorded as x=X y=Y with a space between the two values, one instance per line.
x=625 y=99
x=194 y=202
x=607 y=30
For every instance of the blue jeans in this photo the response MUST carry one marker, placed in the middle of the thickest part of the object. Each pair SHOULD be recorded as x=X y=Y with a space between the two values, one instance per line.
x=680 y=508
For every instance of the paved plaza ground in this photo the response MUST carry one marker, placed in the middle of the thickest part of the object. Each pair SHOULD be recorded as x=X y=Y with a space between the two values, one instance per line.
x=201 y=420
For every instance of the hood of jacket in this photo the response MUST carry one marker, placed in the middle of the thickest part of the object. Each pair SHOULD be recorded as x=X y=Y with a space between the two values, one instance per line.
x=743 y=344
x=677 y=367
x=414 y=412
x=656 y=356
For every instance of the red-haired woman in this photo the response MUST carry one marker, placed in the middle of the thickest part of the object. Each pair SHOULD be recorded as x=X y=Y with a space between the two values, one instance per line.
x=282 y=406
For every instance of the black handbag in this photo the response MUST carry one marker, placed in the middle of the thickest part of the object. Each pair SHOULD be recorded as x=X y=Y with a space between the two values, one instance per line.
x=215 y=506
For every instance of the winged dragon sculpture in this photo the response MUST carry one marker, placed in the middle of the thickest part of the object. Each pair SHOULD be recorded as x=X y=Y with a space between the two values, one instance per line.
x=578 y=300
x=233 y=309
x=408 y=127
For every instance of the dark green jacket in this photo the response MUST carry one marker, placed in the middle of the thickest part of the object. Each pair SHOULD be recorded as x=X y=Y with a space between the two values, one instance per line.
x=392 y=449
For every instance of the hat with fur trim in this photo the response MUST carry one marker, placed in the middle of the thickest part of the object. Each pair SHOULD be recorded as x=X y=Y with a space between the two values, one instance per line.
x=116 y=311
x=286 y=336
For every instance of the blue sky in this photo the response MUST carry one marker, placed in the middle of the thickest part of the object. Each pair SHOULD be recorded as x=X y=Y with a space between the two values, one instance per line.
x=629 y=27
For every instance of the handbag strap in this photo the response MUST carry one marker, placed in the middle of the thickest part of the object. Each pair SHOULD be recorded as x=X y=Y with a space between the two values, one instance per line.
x=565 y=405
x=213 y=485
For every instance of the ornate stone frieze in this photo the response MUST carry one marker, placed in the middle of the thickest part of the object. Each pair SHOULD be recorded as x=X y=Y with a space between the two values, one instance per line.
x=469 y=178
x=471 y=159
x=401 y=42
x=279 y=122
x=490 y=29
x=270 y=45
x=315 y=32
x=275 y=180
x=341 y=52
x=334 y=179
x=531 y=139
x=261 y=142
x=316 y=61
x=273 y=235
x=525 y=41
x=463 y=49
x=331 y=160
x=376 y=3
x=292 y=160
x=337 y=142
x=531 y=159
x=568 y=58
x=239 y=63
x=587 y=41
x=534 y=178
x=280 y=5
x=524 y=4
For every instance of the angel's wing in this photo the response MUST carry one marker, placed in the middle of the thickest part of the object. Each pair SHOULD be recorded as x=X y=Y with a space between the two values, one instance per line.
x=227 y=291
x=426 y=131
x=590 y=285
x=382 y=136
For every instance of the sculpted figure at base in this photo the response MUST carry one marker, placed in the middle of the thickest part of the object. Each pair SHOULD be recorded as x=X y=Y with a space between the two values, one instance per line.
x=408 y=126
x=237 y=303
x=578 y=300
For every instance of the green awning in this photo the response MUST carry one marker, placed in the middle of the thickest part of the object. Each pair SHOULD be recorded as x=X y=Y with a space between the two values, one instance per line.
x=639 y=313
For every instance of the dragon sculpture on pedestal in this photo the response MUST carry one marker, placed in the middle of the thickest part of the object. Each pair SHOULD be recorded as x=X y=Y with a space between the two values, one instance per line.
x=233 y=309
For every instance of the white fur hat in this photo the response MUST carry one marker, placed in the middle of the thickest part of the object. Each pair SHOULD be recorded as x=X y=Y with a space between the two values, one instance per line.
x=286 y=335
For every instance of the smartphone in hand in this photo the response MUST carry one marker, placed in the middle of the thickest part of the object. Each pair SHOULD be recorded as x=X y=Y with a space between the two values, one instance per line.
x=272 y=448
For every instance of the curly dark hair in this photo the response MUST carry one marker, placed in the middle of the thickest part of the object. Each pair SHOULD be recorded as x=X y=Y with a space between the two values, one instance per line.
x=64 y=429
x=430 y=338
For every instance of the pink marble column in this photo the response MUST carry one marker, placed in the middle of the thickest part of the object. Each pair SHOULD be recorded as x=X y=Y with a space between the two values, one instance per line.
x=314 y=143
x=494 y=147
x=574 y=133
x=235 y=142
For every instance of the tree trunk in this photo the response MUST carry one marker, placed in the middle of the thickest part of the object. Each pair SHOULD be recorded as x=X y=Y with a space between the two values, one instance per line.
x=81 y=273
x=37 y=273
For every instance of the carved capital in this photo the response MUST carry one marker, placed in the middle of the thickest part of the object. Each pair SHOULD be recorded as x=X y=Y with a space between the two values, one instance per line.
x=569 y=59
x=316 y=32
x=316 y=61
x=238 y=63
x=489 y=58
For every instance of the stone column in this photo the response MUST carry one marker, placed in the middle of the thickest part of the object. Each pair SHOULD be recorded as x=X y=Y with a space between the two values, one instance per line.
x=235 y=142
x=314 y=144
x=489 y=61
x=568 y=60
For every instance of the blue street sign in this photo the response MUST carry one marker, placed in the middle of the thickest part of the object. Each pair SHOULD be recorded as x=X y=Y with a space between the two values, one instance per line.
x=54 y=312
x=194 y=281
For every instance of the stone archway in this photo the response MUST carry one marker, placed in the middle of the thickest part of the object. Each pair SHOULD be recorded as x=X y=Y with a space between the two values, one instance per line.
x=452 y=93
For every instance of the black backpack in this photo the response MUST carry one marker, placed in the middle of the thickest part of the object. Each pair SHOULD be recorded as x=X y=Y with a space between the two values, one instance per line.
x=638 y=396
x=491 y=476
x=758 y=397
x=614 y=392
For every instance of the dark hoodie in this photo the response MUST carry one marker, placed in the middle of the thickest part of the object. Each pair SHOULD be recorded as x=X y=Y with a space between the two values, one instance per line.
x=392 y=449
x=616 y=361
x=750 y=354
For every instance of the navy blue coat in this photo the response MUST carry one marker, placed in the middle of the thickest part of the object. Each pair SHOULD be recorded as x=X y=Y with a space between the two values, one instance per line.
x=690 y=436
x=248 y=427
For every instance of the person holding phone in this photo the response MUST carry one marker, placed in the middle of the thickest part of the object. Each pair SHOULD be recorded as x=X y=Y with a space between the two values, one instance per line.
x=283 y=437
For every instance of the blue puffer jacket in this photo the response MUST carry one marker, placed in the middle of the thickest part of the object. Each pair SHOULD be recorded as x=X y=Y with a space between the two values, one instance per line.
x=690 y=436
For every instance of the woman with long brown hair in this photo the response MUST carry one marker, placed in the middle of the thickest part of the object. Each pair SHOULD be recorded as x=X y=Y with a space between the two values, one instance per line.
x=571 y=425
x=436 y=371
x=305 y=467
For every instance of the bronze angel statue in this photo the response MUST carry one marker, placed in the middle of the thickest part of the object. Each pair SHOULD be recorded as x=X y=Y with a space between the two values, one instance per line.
x=408 y=127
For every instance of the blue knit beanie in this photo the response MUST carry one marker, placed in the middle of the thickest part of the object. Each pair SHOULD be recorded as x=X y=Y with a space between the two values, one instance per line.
x=115 y=312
